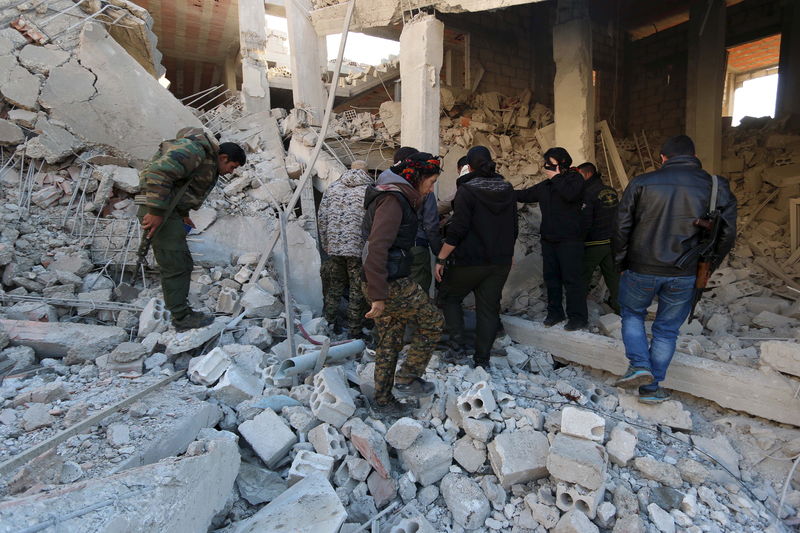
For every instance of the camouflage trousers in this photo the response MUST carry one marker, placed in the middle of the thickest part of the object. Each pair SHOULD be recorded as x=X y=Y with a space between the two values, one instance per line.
x=338 y=272
x=407 y=303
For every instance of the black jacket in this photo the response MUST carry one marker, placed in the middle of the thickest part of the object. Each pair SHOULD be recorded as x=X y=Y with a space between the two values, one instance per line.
x=560 y=201
x=654 y=221
x=398 y=258
x=483 y=227
x=598 y=211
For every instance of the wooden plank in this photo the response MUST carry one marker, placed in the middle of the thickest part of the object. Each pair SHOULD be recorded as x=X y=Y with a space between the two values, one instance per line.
x=61 y=436
x=616 y=160
x=770 y=266
x=758 y=209
x=759 y=392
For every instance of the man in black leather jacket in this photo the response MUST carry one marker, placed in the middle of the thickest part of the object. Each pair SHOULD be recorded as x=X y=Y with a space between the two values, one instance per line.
x=654 y=228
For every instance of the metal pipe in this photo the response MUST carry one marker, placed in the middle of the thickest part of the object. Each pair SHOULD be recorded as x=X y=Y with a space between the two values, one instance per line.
x=305 y=362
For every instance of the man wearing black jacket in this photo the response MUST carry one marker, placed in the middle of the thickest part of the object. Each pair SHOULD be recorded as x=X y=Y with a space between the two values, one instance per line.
x=559 y=198
x=597 y=220
x=654 y=230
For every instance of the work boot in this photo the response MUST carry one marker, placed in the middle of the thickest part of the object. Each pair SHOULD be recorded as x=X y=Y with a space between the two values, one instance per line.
x=635 y=377
x=480 y=361
x=391 y=409
x=192 y=320
x=552 y=320
x=574 y=324
x=416 y=388
x=655 y=396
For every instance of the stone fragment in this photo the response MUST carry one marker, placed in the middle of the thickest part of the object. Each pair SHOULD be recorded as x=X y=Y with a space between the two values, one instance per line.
x=227 y=300
x=79 y=264
x=720 y=449
x=381 y=489
x=18 y=86
x=605 y=515
x=468 y=455
x=358 y=468
x=36 y=416
x=41 y=59
x=428 y=458
x=193 y=338
x=306 y=463
x=237 y=385
x=47 y=393
x=519 y=456
x=23 y=117
x=403 y=433
x=269 y=436
x=10 y=133
x=70 y=472
x=692 y=471
x=331 y=401
x=32 y=311
x=258 y=303
x=477 y=402
x=583 y=424
x=546 y=515
x=664 y=473
x=621 y=447
x=328 y=441
x=571 y=496
x=782 y=356
x=630 y=523
x=670 y=413
x=416 y=524
x=207 y=369
x=661 y=519
x=610 y=324
x=54 y=143
x=465 y=500
x=128 y=352
x=118 y=434
x=478 y=429
x=577 y=461
x=370 y=445
x=666 y=497
x=768 y=319
x=575 y=522
x=258 y=485
x=309 y=506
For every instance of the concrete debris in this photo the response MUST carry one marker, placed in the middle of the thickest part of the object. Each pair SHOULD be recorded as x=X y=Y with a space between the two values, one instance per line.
x=269 y=436
x=465 y=500
x=519 y=456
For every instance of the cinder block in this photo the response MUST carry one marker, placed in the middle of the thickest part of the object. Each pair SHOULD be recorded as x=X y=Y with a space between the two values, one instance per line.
x=519 y=456
x=357 y=467
x=328 y=441
x=403 y=433
x=331 y=401
x=477 y=402
x=428 y=458
x=417 y=524
x=207 y=369
x=226 y=301
x=154 y=317
x=577 y=461
x=306 y=463
x=583 y=424
x=269 y=436
x=382 y=490
x=571 y=496
x=370 y=445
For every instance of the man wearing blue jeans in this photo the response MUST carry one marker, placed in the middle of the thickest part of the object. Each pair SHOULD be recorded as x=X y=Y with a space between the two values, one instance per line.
x=654 y=230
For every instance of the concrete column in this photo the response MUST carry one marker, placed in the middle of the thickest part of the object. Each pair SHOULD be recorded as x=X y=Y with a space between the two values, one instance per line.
x=706 y=81
x=789 y=67
x=421 y=55
x=229 y=74
x=573 y=90
x=253 y=47
x=307 y=88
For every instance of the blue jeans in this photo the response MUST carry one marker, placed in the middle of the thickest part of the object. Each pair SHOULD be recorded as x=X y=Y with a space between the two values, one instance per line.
x=636 y=292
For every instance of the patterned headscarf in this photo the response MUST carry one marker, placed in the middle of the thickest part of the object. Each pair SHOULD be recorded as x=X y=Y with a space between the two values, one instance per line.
x=421 y=163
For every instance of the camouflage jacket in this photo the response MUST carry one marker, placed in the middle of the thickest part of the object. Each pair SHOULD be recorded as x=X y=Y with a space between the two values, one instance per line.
x=192 y=157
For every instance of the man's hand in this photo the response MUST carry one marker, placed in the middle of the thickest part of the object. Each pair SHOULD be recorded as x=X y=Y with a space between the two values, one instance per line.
x=376 y=310
x=188 y=222
x=438 y=272
x=150 y=224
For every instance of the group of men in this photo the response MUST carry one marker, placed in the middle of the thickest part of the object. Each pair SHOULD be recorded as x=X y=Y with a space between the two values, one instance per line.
x=650 y=237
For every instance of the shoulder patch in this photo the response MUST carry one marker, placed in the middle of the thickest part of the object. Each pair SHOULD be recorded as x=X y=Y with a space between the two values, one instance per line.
x=608 y=197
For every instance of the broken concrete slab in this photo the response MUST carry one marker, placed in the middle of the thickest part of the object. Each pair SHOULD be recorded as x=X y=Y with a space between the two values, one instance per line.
x=10 y=133
x=269 y=436
x=428 y=458
x=781 y=356
x=583 y=424
x=304 y=281
x=719 y=448
x=55 y=339
x=18 y=86
x=179 y=494
x=67 y=84
x=758 y=392
x=578 y=461
x=370 y=444
x=519 y=456
x=309 y=506
x=670 y=413
x=306 y=463
x=41 y=59
x=403 y=433
x=465 y=500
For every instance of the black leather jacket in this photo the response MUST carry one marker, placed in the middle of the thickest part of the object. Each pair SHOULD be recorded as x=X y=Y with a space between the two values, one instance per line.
x=654 y=220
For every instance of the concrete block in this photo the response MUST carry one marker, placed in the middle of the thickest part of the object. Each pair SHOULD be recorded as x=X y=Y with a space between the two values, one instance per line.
x=357 y=467
x=258 y=485
x=416 y=524
x=56 y=339
x=269 y=436
x=370 y=445
x=154 y=318
x=403 y=433
x=621 y=447
x=519 y=456
x=664 y=473
x=306 y=463
x=478 y=429
x=782 y=356
x=300 y=418
x=331 y=401
x=577 y=461
x=662 y=520
x=545 y=515
x=309 y=506
x=428 y=458
x=571 y=496
x=207 y=369
x=328 y=441
x=381 y=489
x=583 y=424
x=465 y=500
x=575 y=522
x=477 y=402
x=610 y=323
x=670 y=413
x=236 y=386
x=226 y=301
x=468 y=455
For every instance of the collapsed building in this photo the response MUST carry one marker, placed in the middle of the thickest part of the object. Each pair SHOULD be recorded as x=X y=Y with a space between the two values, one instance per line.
x=112 y=421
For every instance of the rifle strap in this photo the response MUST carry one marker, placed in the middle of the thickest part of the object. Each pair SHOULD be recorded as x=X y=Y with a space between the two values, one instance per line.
x=714 y=191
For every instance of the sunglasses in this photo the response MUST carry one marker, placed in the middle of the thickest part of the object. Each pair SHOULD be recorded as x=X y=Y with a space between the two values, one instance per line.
x=550 y=166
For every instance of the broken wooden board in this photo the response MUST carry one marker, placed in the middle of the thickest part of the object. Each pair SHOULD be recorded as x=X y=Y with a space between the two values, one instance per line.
x=616 y=160
x=784 y=176
x=546 y=137
x=762 y=393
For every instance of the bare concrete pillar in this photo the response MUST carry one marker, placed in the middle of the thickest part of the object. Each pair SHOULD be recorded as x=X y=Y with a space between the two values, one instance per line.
x=229 y=74
x=573 y=89
x=789 y=67
x=706 y=81
x=421 y=56
x=253 y=48
x=307 y=88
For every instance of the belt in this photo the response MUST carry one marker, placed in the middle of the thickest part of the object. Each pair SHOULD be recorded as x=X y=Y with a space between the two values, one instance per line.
x=420 y=242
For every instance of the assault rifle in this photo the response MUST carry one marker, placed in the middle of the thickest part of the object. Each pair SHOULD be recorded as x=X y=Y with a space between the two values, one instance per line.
x=705 y=251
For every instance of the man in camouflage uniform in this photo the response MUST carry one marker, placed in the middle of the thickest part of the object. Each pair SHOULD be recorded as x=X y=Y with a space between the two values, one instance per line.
x=194 y=157
x=341 y=213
